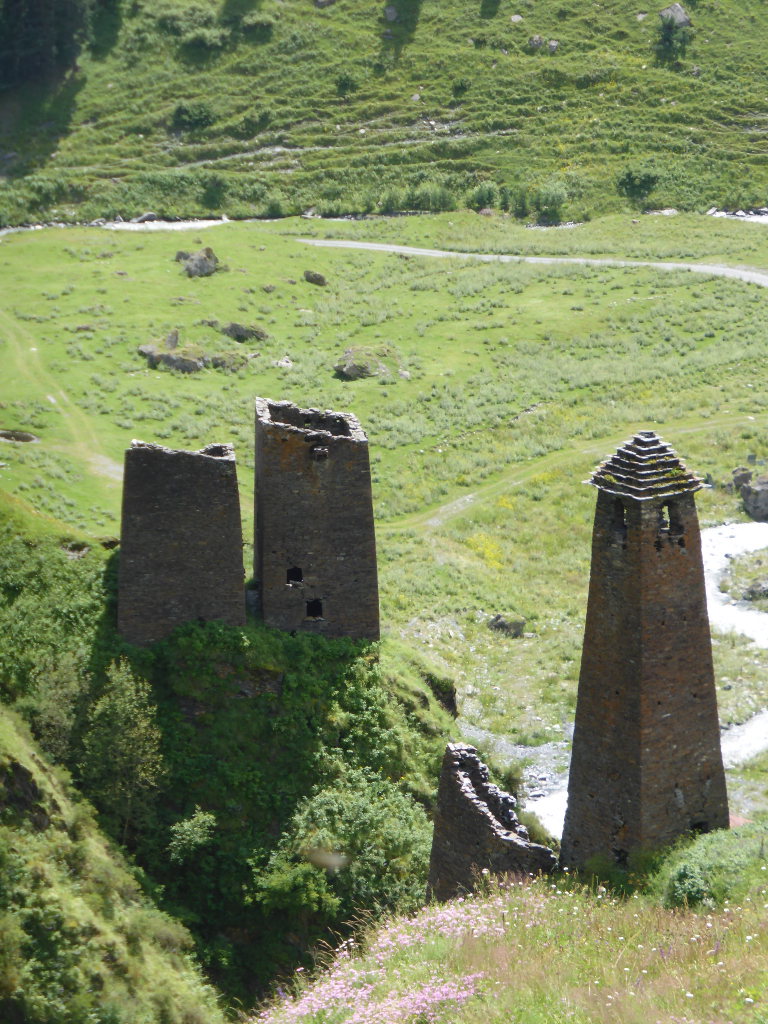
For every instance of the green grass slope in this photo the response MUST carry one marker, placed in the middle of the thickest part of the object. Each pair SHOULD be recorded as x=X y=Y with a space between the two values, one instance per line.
x=79 y=940
x=262 y=108
x=555 y=951
x=228 y=762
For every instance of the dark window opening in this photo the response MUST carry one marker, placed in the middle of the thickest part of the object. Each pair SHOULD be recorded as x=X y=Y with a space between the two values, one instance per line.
x=294 y=575
x=670 y=524
x=619 y=522
x=314 y=609
x=702 y=827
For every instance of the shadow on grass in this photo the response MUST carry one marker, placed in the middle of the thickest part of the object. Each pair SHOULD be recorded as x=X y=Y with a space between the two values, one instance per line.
x=106 y=23
x=489 y=8
x=34 y=117
x=399 y=33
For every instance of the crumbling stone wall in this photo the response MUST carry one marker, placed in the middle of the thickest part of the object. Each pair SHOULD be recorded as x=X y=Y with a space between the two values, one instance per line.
x=181 y=547
x=646 y=764
x=476 y=827
x=315 y=547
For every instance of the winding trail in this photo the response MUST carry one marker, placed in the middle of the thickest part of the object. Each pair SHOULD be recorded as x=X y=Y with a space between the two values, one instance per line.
x=749 y=274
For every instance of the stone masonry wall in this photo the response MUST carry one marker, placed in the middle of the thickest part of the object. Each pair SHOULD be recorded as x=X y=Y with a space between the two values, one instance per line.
x=646 y=764
x=475 y=828
x=181 y=549
x=315 y=547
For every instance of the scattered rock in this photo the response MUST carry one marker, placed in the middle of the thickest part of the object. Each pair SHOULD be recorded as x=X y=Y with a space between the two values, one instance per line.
x=741 y=475
x=755 y=591
x=268 y=288
x=404 y=374
x=182 y=255
x=240 y=333
x=202 y=263
x=512 y=627
x=553 y=45
x=285 y=363
x=486 y=212
x=755 y=498
x=313 y=277
x=110 y=543
x=172 y=338
x=535 y=42
x=21 y=436
x=324 y=3
x=181 y=361
x=145 y=218
x=76 y=549
x=358 y=363
x=390 y=12
x=516 y=19
x=675 y=13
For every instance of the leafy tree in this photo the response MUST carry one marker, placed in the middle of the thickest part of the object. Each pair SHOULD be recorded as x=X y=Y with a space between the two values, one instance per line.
x=358 y=843
x=636 y=183
x=37 y=36
x=189 y=835
x=673 y=40
x=122 y=765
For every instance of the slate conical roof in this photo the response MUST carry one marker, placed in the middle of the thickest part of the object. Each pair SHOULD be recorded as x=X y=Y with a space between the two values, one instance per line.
x=645 y=467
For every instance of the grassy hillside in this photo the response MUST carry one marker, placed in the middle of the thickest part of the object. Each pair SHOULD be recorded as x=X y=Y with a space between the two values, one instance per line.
x=223 y=757
x=556 y=951
x=517 y=380
x=262 y=108
x=79 y=939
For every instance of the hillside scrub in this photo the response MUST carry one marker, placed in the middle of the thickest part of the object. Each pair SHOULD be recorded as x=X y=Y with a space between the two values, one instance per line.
x=200 y=752
x=79 y=939
x=269 y=110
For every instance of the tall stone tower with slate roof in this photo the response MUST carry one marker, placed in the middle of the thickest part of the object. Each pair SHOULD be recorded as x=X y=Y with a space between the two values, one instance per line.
x=646 y=764
x=314 y=545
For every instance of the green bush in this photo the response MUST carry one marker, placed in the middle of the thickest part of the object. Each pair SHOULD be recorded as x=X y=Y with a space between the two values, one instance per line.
x=358 y=844
x=713 y=868
x=190 y=117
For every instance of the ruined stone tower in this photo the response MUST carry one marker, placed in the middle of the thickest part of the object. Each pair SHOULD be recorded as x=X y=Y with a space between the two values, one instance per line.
x=476 y=828
x=646 y=764
x=315 y=548
x=181 y=545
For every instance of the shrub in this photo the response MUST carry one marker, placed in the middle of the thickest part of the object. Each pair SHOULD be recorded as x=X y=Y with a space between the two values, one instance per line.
x=482 y=196
x=672 y=40
x=190 y=117
x=636 y=183
x=550 y=199
x=345 y=84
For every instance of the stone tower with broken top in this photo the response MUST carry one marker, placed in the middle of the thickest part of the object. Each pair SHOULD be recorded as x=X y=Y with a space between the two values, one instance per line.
x=181 y=545
x=314 y=545
x=646 y=764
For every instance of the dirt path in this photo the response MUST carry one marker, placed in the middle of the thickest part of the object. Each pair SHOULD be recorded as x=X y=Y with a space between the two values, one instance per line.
x=749 y=274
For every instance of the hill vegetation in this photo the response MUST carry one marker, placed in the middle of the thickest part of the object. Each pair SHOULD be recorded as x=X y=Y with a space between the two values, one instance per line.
x=268 y=790
x=262 y=108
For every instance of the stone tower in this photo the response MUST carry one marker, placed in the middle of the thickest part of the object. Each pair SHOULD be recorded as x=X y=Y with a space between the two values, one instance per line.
x=181 y=544
x=646 y=764
x=315 y=548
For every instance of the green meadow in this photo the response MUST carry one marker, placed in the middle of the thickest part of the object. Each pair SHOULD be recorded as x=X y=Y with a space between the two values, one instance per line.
x=504 y=385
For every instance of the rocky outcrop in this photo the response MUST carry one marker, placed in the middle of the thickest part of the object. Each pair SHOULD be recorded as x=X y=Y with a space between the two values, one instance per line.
x=677 y=14
x=202 y=263
x=240 y=333
x=313 y=277
x=512 y=627
x=755 y=498
x=358 y=363
x=477 y=829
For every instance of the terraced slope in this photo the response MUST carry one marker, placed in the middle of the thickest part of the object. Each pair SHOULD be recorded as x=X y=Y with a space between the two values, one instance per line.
x=259 y=107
